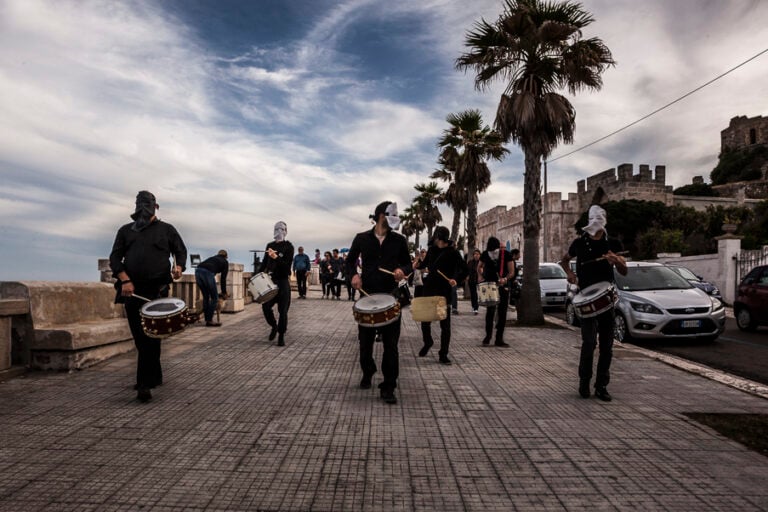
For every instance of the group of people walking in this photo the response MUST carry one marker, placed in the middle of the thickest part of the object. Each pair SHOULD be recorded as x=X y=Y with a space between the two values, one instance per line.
x=377 y=262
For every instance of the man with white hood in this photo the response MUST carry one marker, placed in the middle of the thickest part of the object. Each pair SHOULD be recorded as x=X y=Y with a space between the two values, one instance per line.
x=277 y=262
x=595 y=259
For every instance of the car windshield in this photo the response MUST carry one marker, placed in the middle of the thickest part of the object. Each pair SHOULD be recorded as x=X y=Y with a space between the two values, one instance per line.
x=551 y=272
x=650 y=278
x=685 y=273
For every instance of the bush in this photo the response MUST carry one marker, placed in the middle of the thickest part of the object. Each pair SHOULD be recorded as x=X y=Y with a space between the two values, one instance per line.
x=740 y=165
x=697 y=189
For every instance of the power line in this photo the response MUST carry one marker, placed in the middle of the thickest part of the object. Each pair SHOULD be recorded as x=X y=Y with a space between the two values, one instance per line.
x=660 y=108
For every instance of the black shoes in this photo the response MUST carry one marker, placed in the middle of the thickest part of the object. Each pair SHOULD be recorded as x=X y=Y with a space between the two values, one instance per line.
x=603 y=394
x=281 y=341
x=584 y=389
x=445 y=360
x=487 y=340
x=144 y=395
x=388 y=395
x=272 y=334
x=425 y=349
x=501 y=344
x=365 y=382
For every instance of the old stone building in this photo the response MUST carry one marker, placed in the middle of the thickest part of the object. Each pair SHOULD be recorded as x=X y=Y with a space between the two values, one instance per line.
x=744 y=132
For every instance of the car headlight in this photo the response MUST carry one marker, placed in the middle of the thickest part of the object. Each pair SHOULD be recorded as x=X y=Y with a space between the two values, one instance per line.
x=645 y=308
x=715 y=291
x=716 y=304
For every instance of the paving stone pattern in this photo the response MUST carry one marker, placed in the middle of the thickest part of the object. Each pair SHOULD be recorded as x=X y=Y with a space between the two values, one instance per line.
x=243 y=425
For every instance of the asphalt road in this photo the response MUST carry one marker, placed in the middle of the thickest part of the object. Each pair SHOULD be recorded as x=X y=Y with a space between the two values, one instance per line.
x=737 y=352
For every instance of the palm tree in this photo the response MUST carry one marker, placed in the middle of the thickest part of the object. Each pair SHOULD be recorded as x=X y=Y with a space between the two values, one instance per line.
x=466 y=145
x=537 y=47
x=412 y=222
x=430 y=194
x=455 y=196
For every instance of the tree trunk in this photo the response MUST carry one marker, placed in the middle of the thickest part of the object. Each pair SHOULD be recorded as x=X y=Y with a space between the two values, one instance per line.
x=529 y=310
x=416 y=240
x=455 y=225
x=471 y=222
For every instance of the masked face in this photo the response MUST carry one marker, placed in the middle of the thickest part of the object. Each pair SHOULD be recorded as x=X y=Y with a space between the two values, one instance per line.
x=145 y=210
x=494 y=254
x=281 y=231
x=597 y=220
x=392 y=218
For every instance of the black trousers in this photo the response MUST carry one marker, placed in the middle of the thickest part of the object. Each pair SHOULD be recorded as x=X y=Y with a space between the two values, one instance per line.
x=473 y=295
x=325 y=281
x=390 y=359
x=149 y=373
x=445 y=333
x=301 y=282
x=500 y=311
x=593 y=329
x=335 y=287
x=283 y=301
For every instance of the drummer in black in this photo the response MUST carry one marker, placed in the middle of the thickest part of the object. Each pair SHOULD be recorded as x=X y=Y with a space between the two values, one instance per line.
x=380 y=248
x=277 y=262
x=140 y=261
x=595 y=260
x=497 y=265
x=446 y=269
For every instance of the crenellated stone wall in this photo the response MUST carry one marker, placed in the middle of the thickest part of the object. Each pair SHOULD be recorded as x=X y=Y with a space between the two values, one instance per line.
x=743 y=132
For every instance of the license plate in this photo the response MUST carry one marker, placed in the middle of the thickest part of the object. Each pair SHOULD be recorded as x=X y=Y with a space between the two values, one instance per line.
x=687 y=324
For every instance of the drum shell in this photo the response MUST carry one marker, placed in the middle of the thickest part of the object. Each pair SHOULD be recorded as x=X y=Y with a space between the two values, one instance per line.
x=262 y=288
x=594 y=300
x=429 y=309
x=487 y=294
x=377 y=315
x=163 y=326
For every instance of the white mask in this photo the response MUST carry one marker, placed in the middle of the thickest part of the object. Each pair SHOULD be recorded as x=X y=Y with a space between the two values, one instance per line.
x=494 y=254
x=597 y=220
x=281 y=230
x=392 y=218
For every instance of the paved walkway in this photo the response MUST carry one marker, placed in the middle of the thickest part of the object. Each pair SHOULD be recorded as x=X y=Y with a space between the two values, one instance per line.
x=243 y=425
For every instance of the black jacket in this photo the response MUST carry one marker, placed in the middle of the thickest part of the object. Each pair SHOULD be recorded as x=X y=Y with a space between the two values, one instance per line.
x=450 y=263
x=492 y=270
x=215 y=265
x=280 y=267
x=586 y=250
x=392 y=253
x=144 y=255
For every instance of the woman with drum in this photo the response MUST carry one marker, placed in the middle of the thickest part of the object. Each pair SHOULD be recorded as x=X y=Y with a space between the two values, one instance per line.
x=446 y=269
x=385 y=262
x=140 y=262
x=596 y=258
x=497 y=265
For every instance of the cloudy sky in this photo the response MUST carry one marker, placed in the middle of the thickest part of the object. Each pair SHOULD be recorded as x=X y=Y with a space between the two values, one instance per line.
x=239 y=113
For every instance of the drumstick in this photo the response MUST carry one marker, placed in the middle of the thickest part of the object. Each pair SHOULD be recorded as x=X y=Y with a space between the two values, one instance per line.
x=142 y=298
x=445 y=276
x=603 y=257
x=365 y=292
x=392 y=273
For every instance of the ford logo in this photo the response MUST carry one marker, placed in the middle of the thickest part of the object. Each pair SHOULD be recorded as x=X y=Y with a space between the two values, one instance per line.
x=689 y=310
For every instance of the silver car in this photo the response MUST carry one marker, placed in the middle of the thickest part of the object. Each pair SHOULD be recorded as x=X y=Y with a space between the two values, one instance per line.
x=656 y=302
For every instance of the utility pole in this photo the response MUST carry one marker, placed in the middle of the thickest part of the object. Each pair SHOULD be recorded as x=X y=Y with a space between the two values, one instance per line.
x=543 y=216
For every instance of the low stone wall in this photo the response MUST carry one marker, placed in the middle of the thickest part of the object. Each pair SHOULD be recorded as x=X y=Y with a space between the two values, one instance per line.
x=69 y=325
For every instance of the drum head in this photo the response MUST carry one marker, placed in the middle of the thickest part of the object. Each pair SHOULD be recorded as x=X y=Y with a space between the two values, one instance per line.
x=591 y=292
x=163 y=307
x=374 y=303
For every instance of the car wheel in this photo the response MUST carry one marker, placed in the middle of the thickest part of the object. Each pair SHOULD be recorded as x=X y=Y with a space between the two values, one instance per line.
x=620 y=331
x=744 y=320
x=570 y=315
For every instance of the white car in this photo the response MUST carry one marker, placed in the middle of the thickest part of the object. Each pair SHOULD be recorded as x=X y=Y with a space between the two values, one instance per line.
x=656 y=302
x=553 y=283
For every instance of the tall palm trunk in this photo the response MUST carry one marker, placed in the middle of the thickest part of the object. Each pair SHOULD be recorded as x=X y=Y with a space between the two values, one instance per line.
x=471 y=222
x=456 y=224
x=416 y=239
x=530 y=311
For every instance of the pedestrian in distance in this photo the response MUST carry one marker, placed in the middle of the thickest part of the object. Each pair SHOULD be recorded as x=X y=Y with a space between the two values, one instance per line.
x=277 y=262
x=301 y=266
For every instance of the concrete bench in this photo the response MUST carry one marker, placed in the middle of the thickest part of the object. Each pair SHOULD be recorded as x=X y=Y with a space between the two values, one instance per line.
x=69 y=325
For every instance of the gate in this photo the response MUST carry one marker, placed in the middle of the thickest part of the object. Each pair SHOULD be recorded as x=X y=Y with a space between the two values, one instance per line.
x=747 y=260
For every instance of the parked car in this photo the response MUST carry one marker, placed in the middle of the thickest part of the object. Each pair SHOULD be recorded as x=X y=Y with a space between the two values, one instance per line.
x=656 y=302
x=697 y=281
x=751 y=305
x=553 y=283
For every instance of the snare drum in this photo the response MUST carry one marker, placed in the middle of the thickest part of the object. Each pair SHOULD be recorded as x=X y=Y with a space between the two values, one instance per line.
x=376 y=310
x=164 y=317
x=595 y=299
x=429 y=309
x=262 y=288
x=487 y=294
